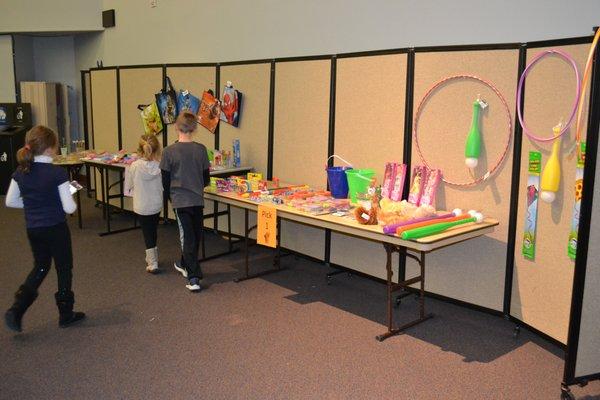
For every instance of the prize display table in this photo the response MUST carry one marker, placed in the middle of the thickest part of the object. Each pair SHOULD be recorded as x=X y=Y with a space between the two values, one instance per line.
x=105 y=168
x=414 y=249
x=73 y=168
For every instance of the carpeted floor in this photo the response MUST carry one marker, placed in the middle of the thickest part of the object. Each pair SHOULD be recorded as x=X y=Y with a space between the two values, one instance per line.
x=283 y=336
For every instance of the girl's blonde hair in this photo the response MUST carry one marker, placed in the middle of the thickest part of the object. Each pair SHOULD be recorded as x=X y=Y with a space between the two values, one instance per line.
x=149 y=148
x=39 y=139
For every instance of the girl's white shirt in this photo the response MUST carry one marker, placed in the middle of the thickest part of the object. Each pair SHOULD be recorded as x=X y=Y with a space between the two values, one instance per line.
x=14 y=199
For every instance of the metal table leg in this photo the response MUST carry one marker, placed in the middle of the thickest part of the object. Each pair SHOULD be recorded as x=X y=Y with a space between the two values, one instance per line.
x=106 y=201
x=276 y=260
x=393 y=287
x=215 y=216
x=230 y=240
x=103 y=197
x=106 y=191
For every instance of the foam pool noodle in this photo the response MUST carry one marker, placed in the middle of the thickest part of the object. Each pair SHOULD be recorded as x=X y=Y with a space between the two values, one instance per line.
x=402 y=229
x=440 y=227
x=391 y=229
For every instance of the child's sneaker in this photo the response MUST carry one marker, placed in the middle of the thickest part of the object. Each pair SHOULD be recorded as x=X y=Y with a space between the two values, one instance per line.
x=180 y=269
x=194 y=285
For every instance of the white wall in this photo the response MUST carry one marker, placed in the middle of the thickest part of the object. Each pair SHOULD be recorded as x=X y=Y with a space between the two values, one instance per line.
x=202 y=30
x=7 y=74
x=50 y=16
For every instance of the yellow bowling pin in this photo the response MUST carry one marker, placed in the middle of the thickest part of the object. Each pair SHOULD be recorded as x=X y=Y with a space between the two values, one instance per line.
x=551 y=173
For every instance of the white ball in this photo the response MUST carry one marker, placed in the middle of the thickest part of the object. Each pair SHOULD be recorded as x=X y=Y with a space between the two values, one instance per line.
x=457 y=211
x=478 y=217
x=471 y=162
x=548 y=197
x=472 y=213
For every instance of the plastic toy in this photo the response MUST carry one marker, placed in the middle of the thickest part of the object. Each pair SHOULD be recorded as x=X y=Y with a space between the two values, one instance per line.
x=391 y=229
x=551 y=174
x=533 y=188
x=409 y=227
x=237 y=162
x=535 y=60
x=572 y=247
x=421 y=106
x=440 y=227
x=473 y=145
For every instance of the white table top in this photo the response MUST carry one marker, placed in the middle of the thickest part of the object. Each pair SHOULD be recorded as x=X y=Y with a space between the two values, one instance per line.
x=349 y=226
x=226 y=171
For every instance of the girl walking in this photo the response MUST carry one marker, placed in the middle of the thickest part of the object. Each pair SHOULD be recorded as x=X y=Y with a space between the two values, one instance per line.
x=43 y=191
x=143 y=181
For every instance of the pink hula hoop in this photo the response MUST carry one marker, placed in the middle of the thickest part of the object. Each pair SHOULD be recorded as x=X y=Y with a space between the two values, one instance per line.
x=536 y=59
x=491 y=171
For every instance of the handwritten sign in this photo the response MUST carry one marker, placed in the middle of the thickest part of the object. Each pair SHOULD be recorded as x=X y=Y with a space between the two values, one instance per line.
x=266 y=233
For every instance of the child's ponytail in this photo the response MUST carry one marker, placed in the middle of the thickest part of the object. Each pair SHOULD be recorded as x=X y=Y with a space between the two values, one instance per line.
x=39 y=139
x=24 y=158
x=149 y=148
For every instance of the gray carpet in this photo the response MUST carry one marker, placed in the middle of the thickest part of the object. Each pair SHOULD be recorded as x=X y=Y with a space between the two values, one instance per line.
x=283 y=336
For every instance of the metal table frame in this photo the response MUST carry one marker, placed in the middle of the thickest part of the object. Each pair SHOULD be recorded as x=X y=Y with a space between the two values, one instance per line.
x=414 y=250
x=104 y=170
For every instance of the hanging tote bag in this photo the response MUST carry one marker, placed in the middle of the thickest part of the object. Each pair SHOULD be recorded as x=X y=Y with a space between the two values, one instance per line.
x=166 y=100
x=210 y=110
x=187 y=102
x=231 y=104
x=151 y=119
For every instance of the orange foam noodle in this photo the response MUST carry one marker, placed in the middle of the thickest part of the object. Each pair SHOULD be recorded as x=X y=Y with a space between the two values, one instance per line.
x=429 y=222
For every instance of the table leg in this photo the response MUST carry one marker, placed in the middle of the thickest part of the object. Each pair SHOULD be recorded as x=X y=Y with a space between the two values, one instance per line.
x=103 y=196
x=107 y=195
x=276 y=260
x=79 y=210
x=89 y=180
x=230 y=240
x=216 y=216
x=246 y=240
x=202 y=236
x=229 y=235
x=402 y=284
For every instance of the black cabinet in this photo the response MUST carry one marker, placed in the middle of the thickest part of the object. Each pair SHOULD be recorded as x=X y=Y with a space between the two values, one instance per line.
x=11 y=140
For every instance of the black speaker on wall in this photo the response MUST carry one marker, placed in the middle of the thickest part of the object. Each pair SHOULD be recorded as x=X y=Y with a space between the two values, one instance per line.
x=108 y=18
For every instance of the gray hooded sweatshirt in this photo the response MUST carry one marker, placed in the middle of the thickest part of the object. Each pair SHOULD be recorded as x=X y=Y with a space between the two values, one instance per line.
x=143 y=182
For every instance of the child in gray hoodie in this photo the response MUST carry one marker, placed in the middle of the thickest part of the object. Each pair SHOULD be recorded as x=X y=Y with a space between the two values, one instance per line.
x=144 y=183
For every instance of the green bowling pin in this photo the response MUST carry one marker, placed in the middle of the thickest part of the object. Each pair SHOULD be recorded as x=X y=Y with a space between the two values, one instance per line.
x=473 y=145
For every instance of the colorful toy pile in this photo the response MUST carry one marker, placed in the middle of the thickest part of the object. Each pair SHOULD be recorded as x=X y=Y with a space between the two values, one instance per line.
x=377 y=205
x=122 y=157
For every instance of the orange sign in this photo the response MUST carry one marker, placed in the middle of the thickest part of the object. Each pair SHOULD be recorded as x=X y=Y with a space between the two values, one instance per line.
x=266 y=233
